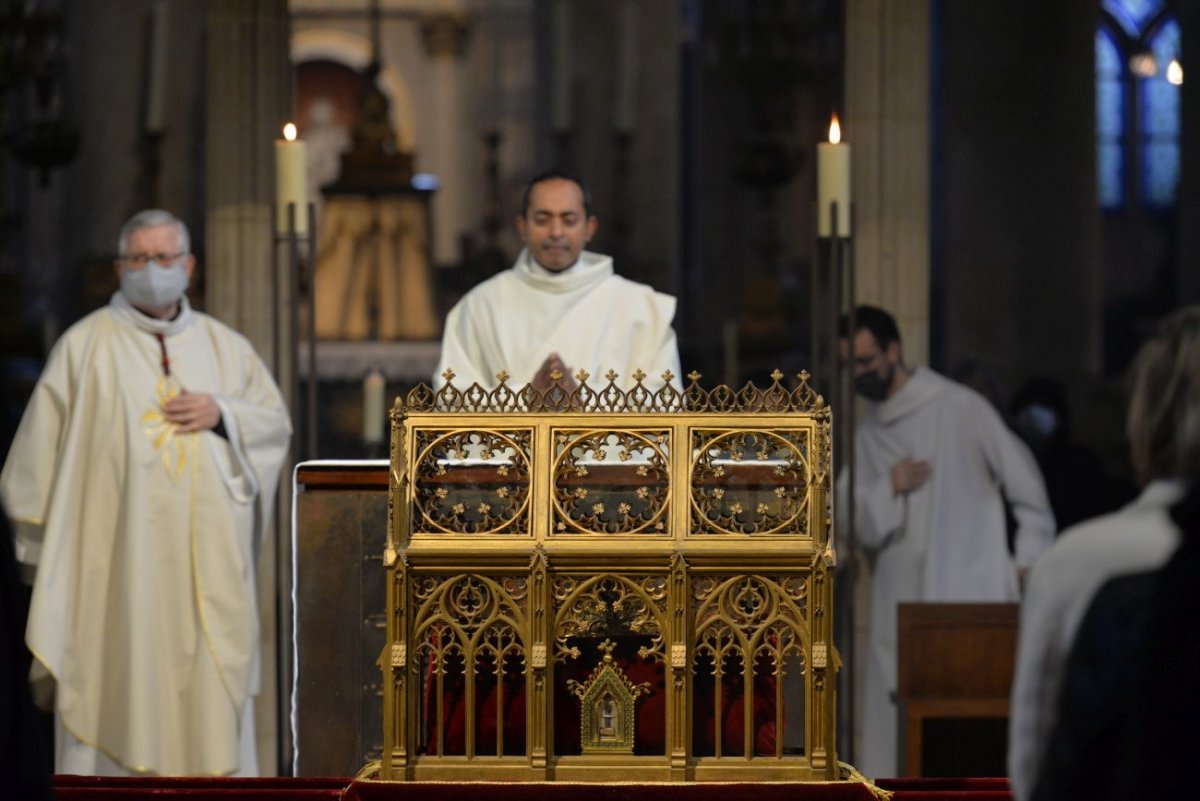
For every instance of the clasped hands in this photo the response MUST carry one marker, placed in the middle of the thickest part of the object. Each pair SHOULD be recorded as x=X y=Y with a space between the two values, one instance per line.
x=542 y=380
x=192 y=411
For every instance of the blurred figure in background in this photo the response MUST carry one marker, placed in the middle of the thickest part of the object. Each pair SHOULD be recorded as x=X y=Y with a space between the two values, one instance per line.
x=1076 y=481
x=934 y=466
x=1164 y=435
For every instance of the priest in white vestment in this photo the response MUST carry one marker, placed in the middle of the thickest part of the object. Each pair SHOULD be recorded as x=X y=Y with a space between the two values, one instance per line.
x=139 y=480
x=932 y=459
x=1163 y=423
x=560 y=307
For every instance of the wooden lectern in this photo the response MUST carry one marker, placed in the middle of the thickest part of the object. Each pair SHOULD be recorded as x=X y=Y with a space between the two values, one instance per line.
x=955 y=662
x=338 y=535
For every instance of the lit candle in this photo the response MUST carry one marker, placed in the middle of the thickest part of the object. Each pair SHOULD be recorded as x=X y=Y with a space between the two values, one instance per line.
x=1175 y=72
x=833 y=183
x=560 y=105
x=156 y=79
x=291 y=181
x=627 y=68
x=374 y=388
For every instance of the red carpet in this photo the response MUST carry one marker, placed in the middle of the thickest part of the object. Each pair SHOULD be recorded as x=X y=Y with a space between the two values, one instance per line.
x=89 y=788
x=97 y=788
x=947 y=789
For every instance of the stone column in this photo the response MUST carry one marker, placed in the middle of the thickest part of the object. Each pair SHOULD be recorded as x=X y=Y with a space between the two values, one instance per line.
x=445 y=37
x=887 y=124
x=1017 y=267
x=249 y=100
x=249 y=82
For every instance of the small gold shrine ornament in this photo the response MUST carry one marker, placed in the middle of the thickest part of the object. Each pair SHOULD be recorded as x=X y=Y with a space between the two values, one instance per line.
x=607 y=706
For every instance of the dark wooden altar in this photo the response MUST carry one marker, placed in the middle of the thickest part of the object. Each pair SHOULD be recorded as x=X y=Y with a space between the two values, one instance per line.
x=338 y=538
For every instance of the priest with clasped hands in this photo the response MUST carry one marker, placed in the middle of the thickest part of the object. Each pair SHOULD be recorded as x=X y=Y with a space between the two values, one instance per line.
x=559 y=307
x=140 y=478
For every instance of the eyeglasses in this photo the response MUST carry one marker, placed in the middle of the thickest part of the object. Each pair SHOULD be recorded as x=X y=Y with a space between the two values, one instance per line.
x=140 y=260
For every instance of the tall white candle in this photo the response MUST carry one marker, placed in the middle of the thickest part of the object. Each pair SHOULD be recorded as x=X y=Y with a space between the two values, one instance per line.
x=156 y=78
x=291 y=181
x=625 y=111
x=560 y=102
x=374 y=389
x=833 y=183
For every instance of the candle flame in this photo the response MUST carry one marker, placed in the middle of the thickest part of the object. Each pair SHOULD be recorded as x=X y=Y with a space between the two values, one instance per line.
x=835 y=131
x=289 y=132
x=1175 y=72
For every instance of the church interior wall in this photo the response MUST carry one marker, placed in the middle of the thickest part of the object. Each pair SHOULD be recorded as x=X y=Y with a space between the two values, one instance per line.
x=503 y=78
x=1019 y=235
x=1014 y=187
x=752 y=115
x=636 y=202
x=655 y=163
x=104 y=95
x=888 y=102
x=1004 y=260
x=1014 y=206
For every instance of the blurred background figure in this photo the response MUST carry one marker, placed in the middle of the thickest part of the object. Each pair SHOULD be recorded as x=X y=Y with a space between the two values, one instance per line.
x=1076 y=481
x=1164 y=435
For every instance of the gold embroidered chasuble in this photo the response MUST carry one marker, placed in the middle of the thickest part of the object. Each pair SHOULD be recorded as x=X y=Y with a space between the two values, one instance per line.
x=143 y=606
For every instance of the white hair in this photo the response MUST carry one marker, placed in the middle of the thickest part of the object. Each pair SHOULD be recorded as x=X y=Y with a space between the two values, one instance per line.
x=152 y=218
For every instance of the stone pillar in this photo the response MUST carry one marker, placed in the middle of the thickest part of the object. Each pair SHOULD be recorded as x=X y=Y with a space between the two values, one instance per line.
x=1016 y=267
x=887 y=124
x=249 y=82
x=249 y=100
x=445 y=37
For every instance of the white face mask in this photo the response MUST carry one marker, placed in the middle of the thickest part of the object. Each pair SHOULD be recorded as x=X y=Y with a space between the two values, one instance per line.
x=154 y=286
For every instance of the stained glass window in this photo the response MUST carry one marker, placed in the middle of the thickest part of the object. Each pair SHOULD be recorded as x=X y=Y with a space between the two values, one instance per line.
x=1133 y=15
x=1159 y=114
x=1110 y=122
x=1137 y=115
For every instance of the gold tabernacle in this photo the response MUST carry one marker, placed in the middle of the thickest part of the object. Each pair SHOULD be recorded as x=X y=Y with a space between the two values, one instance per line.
x=592 y=584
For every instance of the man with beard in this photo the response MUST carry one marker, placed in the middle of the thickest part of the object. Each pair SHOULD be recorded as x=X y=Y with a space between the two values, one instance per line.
x=934 y=463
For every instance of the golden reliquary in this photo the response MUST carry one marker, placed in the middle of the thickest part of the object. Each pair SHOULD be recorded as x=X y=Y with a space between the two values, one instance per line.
x=594 y=583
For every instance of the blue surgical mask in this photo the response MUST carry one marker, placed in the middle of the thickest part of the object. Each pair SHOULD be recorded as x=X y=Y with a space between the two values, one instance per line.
x=155 y=286
x=1038 y=421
